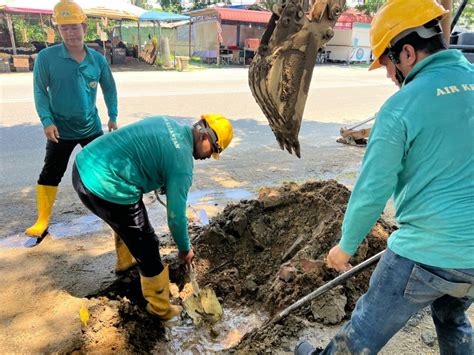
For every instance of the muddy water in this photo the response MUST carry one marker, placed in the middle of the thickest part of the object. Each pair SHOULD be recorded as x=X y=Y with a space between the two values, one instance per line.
x=201 y=205
x=264 y=254
x=225 y=334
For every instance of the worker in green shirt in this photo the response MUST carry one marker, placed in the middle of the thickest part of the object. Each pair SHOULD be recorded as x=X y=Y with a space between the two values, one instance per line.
x=113 y=172
x=66 y=78
x=421 y=151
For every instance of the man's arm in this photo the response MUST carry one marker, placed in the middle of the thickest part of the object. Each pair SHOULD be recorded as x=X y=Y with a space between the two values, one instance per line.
x=40 y=90
x=177 y=188
x=377 y=180
x=107 y=83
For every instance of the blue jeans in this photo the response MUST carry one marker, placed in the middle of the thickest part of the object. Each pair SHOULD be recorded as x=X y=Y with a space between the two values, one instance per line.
x=398 y=289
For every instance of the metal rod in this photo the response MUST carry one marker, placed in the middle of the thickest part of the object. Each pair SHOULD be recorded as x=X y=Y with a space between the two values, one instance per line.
x=458 y=14
x=328 y=286
x=11 y=31
x=366 y=121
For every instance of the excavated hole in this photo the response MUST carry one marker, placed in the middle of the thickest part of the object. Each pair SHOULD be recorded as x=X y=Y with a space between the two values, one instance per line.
x=259 y=256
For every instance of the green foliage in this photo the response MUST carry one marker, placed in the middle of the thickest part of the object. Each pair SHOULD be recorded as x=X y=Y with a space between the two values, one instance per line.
x=467 y=17
x=173 y=6
x=202 y=4
x=142 y=3
x=370 y=7
x=34 y=30
x=37 y=32
x=91 y=31
x=268 y=4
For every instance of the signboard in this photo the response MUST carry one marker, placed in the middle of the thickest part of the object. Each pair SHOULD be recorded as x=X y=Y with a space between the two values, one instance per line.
x=207 y=17
x=360 y=54
x=343 y=25
x=50 y=35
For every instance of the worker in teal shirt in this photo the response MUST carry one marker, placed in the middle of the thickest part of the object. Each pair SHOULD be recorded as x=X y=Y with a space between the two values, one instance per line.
x=113 y=172
x=66 y=79
x=421 y=150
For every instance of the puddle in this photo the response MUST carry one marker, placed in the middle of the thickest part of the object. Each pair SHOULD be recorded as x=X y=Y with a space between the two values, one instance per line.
x=80 y=225
x=235 y=323
x=200 y=204
x=216 y=196
x=19 y=241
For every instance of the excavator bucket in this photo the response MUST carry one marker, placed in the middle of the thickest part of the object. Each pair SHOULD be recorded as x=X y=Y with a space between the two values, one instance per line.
x=281 y=70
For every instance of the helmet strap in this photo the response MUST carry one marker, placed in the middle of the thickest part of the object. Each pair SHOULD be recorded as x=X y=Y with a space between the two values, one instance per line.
x=203 y=127
x=395 y=59
x=399 y=76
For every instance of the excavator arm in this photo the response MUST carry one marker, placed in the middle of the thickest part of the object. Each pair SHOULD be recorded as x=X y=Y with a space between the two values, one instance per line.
x=281 y=71
x=282 y=68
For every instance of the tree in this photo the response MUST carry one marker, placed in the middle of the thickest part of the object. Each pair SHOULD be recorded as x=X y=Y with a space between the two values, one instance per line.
x=467 y=17
x=268 y=4
x=370 y=7
x=142 y=3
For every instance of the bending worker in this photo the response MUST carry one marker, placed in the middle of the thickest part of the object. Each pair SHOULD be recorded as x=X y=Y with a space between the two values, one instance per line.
x=66 y=77
x=112 y=173
x=421 y=151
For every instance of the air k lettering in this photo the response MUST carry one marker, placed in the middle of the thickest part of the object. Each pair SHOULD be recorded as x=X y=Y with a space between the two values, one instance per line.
x=454 y=89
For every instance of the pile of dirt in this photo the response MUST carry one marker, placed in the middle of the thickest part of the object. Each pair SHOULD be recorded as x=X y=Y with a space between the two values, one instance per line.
x=118 y=321
x=265 y=253
x=271 y=250
x=269 y=253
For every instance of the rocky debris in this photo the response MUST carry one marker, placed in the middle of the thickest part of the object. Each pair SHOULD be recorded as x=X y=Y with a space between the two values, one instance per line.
x=265 y=253
x=428 y=337
x=330 y=307
x=120 y=327
x=282 y=238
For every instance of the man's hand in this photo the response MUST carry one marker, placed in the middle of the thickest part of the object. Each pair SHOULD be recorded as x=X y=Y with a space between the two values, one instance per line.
x=112 y=125
x=52 y=133
x=188 y=257
x=338 y=259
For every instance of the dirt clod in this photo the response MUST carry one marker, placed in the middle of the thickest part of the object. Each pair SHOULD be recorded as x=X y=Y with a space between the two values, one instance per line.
x=265 y=253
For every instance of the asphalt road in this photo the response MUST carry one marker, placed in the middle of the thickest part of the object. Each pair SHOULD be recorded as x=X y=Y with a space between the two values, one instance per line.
x=338 y=95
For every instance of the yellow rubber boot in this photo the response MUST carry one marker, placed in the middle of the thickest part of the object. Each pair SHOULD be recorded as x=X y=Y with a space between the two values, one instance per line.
x=45 y=196
x=125 y=259
x=156 y=291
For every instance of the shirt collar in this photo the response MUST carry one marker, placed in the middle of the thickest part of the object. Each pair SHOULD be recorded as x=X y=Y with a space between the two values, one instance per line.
x=441 y=58
x=65 y=53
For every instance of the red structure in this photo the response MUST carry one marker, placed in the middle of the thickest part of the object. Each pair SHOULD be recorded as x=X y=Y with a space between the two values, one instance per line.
x=349 y=17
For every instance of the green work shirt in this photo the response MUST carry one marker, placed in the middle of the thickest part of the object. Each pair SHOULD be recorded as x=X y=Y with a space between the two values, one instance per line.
x=151 y=154
x=421 y=150
x=65 y=91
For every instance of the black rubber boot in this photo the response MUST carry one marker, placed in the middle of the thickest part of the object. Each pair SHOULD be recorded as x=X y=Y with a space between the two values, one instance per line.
x=305 y=348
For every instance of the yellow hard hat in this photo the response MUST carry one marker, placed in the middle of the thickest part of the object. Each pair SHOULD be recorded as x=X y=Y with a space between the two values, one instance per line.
x=223 y=129
x=67 y=12
x=396 y=16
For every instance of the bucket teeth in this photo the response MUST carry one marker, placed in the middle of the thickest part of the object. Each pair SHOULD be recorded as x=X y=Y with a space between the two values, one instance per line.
x=281 y=71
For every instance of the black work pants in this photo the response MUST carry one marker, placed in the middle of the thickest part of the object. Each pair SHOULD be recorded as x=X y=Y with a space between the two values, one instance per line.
x=56 y=159
x=130 y=222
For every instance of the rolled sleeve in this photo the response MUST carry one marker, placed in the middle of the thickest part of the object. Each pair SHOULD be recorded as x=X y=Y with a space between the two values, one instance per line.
x=377 y=180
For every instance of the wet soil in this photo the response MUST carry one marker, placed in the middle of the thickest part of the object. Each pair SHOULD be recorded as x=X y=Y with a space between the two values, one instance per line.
x=262 y=254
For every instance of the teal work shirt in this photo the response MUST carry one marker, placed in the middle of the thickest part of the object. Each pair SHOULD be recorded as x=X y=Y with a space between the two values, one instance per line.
x=65 y=91
x=421 y=150
x=151 y=154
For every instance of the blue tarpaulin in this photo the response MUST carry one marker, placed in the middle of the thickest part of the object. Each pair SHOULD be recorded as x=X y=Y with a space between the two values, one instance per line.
x=161 y=16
